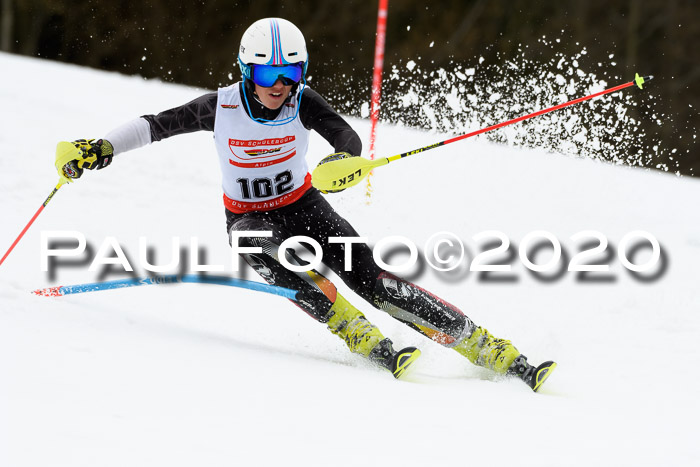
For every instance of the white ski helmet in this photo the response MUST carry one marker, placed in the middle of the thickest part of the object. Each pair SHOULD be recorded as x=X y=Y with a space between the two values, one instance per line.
x=272 y=41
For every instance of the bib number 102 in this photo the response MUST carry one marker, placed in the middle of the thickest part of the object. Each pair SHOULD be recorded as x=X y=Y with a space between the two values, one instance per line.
x=264 y=187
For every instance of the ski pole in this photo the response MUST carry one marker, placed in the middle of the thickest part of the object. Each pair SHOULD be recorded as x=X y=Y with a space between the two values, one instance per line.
x=31 y=221
x=166 y=279
x=65 y=152
x=344 y=173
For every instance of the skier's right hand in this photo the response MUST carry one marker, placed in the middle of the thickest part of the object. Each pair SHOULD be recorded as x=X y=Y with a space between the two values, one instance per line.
x=72 y=158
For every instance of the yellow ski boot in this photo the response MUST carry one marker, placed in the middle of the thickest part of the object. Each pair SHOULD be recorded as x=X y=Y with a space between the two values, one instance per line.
x=482 y=349
x=348 y=323
x=501 y=356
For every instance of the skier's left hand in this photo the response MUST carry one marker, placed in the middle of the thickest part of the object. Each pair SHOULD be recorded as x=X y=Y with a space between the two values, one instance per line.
x=336 y=156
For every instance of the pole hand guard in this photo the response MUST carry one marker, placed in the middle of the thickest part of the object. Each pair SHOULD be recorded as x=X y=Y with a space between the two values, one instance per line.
x=73 y=157
x=336 y=156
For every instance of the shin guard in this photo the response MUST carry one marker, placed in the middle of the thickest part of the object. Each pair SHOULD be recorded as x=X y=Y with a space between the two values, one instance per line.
x=419 y=309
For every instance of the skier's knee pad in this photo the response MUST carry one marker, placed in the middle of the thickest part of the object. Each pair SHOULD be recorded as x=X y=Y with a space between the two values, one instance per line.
x=315 y=295
x=421 y=310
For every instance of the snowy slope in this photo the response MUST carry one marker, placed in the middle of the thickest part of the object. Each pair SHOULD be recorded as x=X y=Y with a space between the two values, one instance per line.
x=209 y=375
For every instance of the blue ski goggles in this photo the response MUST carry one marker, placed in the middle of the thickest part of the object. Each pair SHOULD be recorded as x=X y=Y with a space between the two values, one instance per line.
x=267 y=75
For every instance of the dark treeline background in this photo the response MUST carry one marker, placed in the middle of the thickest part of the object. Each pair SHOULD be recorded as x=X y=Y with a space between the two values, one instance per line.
x=196 y=43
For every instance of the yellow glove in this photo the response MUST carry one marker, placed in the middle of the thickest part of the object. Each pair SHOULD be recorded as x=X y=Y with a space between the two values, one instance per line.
x=72 y=158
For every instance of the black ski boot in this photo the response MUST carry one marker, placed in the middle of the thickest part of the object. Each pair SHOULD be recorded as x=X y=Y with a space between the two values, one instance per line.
x=533 y=376
x=384 y=355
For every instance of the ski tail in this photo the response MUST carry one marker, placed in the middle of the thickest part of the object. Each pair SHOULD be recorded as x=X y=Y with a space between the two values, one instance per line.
x=541 y=374
x=403 y=360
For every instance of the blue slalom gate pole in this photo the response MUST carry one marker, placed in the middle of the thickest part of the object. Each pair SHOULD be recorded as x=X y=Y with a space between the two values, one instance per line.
x=61 y=290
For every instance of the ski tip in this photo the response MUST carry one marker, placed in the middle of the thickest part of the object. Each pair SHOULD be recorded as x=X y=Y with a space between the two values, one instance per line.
x=49 y=292
x=640 y=80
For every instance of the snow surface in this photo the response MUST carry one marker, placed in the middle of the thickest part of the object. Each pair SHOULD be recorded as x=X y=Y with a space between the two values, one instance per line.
x=209 y=375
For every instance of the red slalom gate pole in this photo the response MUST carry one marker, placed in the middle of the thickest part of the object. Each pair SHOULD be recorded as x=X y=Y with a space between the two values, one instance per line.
x=377 y=75
x=31 y=221
x=379 y=46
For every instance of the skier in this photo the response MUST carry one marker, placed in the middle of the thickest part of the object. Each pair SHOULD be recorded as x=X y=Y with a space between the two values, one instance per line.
x=261 y=130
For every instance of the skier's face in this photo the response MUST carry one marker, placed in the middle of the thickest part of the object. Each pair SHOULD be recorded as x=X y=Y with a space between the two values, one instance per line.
x=274 y=96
